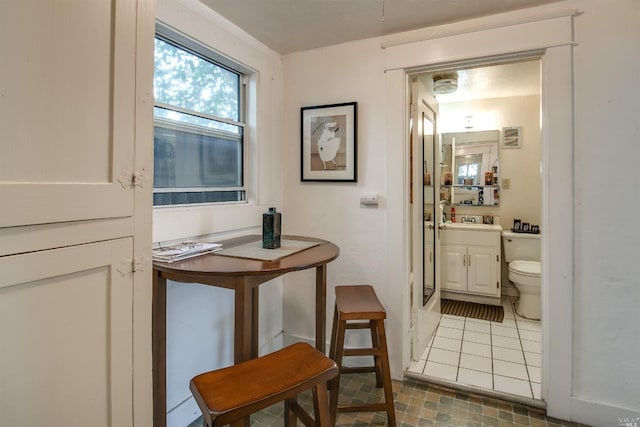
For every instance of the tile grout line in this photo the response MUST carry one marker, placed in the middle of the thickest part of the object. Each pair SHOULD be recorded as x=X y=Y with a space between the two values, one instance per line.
x=524 y=356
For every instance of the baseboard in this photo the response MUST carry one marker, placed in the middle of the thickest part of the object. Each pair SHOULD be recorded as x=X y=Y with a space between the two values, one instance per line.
x=602 y=414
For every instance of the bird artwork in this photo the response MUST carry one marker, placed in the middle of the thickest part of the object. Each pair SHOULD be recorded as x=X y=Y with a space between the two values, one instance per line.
x=328 y=144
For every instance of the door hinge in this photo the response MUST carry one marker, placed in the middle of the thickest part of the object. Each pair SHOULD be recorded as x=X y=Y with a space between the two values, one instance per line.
x=137 y=264
x=497 y=258
x=497 y=284
x=133 y=180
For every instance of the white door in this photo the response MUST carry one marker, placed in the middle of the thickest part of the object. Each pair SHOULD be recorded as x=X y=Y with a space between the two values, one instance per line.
x=76 y=104
x=425 y=300
x=67 y=110
x=65 y=329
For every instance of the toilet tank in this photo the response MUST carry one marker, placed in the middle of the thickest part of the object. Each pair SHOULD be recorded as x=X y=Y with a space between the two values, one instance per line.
x=521 y=246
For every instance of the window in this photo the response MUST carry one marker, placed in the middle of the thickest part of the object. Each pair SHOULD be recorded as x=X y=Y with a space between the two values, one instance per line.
x=198 y=125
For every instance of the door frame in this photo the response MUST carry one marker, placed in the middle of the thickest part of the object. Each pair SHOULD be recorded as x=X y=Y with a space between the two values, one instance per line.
x=552 y=38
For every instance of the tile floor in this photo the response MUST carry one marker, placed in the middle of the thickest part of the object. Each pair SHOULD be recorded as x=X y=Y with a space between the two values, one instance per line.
x=417 y=404
x=502 y=357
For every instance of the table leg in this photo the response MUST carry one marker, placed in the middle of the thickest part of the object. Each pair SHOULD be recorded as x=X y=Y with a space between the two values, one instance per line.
x=255 y=312
x=321 y=307
x=159 y=349
x=242 y=346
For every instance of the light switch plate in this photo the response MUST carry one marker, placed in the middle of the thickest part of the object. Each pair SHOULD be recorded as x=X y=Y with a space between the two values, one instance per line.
x=506 y=183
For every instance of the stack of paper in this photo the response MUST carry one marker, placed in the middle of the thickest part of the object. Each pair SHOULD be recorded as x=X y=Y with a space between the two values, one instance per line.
x=183 y=250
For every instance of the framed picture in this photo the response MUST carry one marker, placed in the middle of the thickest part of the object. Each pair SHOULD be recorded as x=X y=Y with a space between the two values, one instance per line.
x=512 y=137
x=328 y=134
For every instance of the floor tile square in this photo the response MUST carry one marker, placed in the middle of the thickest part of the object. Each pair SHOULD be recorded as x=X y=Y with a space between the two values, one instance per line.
x=477 y=337
x=439 y=370
x=530 y=335
x=508 y=354
x=532 y=346
x=535 y=375
x=512 y=386
x=504 y=331
x=537 y=390
x=482 y=326
x=452 y=321
x=498 y=341
x=444 y=356
x=447 y=344
x=476 y=349
x=528 y=325
x=510 y=369
x=417 y=365
x=507 y=323
x=533 y=359
x=476 y=363
x=446 y=332
x=475 y=378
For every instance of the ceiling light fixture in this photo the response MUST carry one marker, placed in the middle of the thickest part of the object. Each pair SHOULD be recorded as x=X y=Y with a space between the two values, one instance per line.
x=445 y=83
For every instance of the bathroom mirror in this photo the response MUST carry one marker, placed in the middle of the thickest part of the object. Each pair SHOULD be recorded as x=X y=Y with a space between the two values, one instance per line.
x=470 y=168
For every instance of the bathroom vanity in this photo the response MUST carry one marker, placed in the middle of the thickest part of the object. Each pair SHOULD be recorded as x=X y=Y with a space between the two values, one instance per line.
x=470 y=262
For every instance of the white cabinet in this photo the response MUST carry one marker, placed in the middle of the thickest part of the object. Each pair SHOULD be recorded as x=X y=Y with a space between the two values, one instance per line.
x=470 y=262
x=75 y=229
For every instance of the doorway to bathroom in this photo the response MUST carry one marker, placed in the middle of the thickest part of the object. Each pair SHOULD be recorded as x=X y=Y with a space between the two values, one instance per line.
x=473 y=101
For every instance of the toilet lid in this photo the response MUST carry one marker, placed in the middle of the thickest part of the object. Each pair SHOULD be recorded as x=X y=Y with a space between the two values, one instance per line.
x=531 y=268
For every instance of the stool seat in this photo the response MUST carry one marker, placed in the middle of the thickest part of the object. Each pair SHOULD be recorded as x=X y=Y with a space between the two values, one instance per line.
x=358 y=302
x=227 y=395
x=358 y=307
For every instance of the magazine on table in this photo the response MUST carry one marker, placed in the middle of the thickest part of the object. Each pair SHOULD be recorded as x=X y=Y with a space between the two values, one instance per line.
x=183 y=250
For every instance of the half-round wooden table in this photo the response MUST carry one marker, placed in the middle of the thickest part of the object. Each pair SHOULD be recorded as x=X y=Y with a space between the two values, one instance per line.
x=244 y=276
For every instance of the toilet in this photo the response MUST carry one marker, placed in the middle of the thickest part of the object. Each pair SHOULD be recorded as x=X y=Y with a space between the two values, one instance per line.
x=522 y=252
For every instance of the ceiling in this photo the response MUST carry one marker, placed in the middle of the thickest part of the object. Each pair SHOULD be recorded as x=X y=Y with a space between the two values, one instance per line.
x=495 y=81
x=288 y=26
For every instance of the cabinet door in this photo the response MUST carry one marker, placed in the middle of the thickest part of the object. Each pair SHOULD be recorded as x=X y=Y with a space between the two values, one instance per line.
x=66 y=332
x=454 y=268
x=67 y=110
x=483 y=263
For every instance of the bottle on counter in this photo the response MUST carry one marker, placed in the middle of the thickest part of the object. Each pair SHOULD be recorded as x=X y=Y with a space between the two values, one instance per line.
x=453 y=214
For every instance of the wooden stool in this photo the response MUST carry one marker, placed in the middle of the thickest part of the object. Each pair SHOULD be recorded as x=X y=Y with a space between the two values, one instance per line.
x=230 y=395
x=360 y=303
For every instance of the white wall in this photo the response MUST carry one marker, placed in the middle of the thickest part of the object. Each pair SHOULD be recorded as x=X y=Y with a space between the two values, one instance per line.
x=607 y=143
x=200 y=318
x=600 y=286
x=332 y=211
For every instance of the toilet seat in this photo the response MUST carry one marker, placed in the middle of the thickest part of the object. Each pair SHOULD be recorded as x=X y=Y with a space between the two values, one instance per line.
x=525 y=268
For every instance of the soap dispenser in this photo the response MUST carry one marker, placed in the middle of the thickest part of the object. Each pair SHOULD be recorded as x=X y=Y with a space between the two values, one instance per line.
x=453 y=214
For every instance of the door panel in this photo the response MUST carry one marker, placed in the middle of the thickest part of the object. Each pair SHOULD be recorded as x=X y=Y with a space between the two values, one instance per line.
x=482 y=269
x=67 y=110
x=66 y=330
x=425 y=301
x=454 y=273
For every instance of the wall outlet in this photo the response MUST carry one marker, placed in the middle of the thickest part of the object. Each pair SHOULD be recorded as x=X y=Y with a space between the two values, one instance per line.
x=370 y=199
x=506 y=183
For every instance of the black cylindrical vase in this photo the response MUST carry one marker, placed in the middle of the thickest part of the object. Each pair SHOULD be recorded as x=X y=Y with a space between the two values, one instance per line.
x=271 y=223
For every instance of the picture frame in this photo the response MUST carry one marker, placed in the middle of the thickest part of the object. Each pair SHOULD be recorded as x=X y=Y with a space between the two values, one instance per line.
x=512 y=137
x=328 y=137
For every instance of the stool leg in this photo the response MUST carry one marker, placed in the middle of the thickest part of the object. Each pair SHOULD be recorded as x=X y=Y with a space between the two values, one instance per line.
x=334 y=327
x=290 y=419
x=321 y=406
x=375 y=341
x=386 y=373
x=335 y=383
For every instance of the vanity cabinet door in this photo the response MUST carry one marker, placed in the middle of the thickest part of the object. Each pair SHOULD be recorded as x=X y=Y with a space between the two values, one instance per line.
x=482 y=266
x=454 y=268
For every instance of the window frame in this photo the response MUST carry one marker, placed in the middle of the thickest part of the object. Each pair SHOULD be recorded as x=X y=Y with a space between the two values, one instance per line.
x=199 y=49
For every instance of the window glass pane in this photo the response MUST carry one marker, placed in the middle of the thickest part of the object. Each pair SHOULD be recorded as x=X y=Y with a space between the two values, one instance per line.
x=188 y=81
x=187 y=156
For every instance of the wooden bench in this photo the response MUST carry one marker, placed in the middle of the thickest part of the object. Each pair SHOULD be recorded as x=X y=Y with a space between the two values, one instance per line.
x=230 y=395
